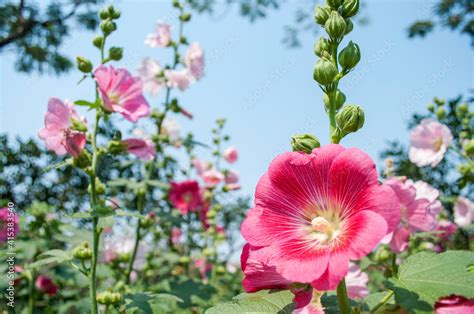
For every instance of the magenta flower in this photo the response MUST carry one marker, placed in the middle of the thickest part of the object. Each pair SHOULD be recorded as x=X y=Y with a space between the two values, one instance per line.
x=185 y=196
x=232 y=176
x=231 y=154
x=463 y=211
x=143 y=149
x=9 y=227
x=315 y=212
x=356 y=282
x=122 y=93
x=46 y=285
x=149 y=71
x=446 y=227
x=161 y=38
x=415 y=213
x=429 y=142
x=212 y=177
x=180 y=79
x=454 y=304
x=60 y=129
x=194 y=60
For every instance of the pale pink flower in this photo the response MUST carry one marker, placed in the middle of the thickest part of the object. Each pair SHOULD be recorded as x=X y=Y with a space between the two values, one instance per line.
x=424 y=190
x=316 y=212
x=200 y=165
x=59 y=133
x=194 y=60
x=463 y=211
x=161 y=38
x=185 y=196
x=454 y=304
x=116 y=245
x=356 y=282
x=142 y=148
x=172 y=129
x=176 y=235
x=46 y=285
x=180 y=79
x=429 y=142
x=121 y=92
x=212 y=177
x=8 y=225
x=149 y=71
x=232 y=176
x=415 y=213
x=231 y=154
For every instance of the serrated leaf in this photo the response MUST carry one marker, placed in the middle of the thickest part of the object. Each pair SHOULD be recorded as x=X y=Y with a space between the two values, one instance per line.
x=425 y=277
x=264 y=301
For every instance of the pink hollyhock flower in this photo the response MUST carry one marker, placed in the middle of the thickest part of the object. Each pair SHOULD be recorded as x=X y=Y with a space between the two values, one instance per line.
x=260 y=273
x=232 y=176
x=200 y=165
x=203 y=215
x=176 y=234
x=429 y=142
x=185 y=196
x=454 y=304
x=414 y=213
x=212 y=177
x=150 y=73
x=356 y=282
x=231 y=154
x=121 y=92
x=424 y=190
x=309 y=309
x=143 y=149
x=447 y=228
x=59 y=133
x=172 y=129
x=180 y=79
x=203 y=266
x=315 y=212
x=161 y=38
x=46 y=285
x=118 y=245
x=194 y=60
x=463 y=212
x=8 y=225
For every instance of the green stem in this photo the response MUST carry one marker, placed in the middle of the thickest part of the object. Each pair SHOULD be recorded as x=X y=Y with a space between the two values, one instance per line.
x=31 y=292
x=382 y=302
x=140 y=207
x=342 y=298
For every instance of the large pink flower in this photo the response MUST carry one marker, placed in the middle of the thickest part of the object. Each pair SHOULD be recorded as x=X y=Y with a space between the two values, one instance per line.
x=143 y=149
x=315 y=212
x=415 y=213
x=260 y=273
x=161 y=38
x=8 y=224
x=121 y=92
x=150 y=71
x=194 y=60
x=185 y=196
x=46 y=285
x=463 y=211
x=58 y=132
x=454 y=304
x=429 y=142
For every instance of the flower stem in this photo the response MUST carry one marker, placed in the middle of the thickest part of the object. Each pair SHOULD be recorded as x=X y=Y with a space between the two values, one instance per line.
x=31 y=292
x=342 y=298
x=382 y=302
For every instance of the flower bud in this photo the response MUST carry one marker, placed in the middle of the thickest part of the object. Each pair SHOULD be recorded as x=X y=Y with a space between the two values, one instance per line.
x=83 y=160
x=321 y=14
x=350 y=118
x=335 y=25
x=441 y=113
x=82 y=252
x=324 y=72
x=115 y=53
x=78 y=125
x=98 y=40
x=321 y=46
x=185 y=259
x=185 y=17
x=350 y=8
x=116 y=147
x=176 y=4
x=107 y=26
x=84 y=65
x=349 y=56
x=340 y=100
x=349 y=26
x=334 y=3
x=469 y=147
x=99 y=187
x=304 y=143
x=431 y=108
x=109 y=298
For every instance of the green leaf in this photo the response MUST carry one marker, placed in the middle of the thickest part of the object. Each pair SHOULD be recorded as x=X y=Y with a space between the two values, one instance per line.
x=329 y=302
x=143 y=301
x=372 y=300
x=121 y=212
x=265 y=301
x=425 y=277
x=56 y=256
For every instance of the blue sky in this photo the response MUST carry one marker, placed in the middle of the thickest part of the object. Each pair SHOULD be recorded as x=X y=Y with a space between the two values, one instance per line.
x=265 y=90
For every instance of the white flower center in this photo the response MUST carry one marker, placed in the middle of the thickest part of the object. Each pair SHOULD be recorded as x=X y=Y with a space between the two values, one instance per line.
x=324 y=230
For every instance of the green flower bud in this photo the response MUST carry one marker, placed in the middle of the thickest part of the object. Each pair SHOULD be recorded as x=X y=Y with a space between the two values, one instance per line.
x=462 y=109
x=324 y=72
x=184 y=259
x=83 y=160
x=441 y=113
x=99 y=187
x=469 y=147
x=77 y=125
x=82 y=252
x=104 y=14
x=116 y=147
x=350 y=118
x=334 y=3
x=321 y=14
x=349 y=26
x=185 y=17
x=431 y=108
x=98 y=40
x=176 y=4
x=349 y=56
x=109 y=298
x=350 y=8
x=220 y=270
x=211 y=214
x=382 y=255
x=304 y=143
x=115 y=53
x=107 y=26
x=113 y=12
x=336 y=25
x=321 y=46
x=340 y=100
x=84 y=65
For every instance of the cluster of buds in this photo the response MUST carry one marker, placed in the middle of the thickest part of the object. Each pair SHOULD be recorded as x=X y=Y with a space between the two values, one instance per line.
x=109 y=298
x=82 y=252
x=332 y=66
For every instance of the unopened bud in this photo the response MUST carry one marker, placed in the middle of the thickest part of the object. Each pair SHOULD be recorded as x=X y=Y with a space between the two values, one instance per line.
x=83 y=160
x=109 y=298
x=116 y=147
x=84 y=65
x=349 y=57
x=185 y=17
x=441 y=113
x=115 y=53
x=82 y=252
x=321 y=14
x=324 y=72
x=107 y=26
x=335 y=25
x=469 y=147
x=334 y=3
x=97 y=42
x=350 y=118
x=304 y=143
x=340 y=100
x=113 y=12
x=349 y=26
x=350 y=8
x=322 y=45
x=104 y=14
